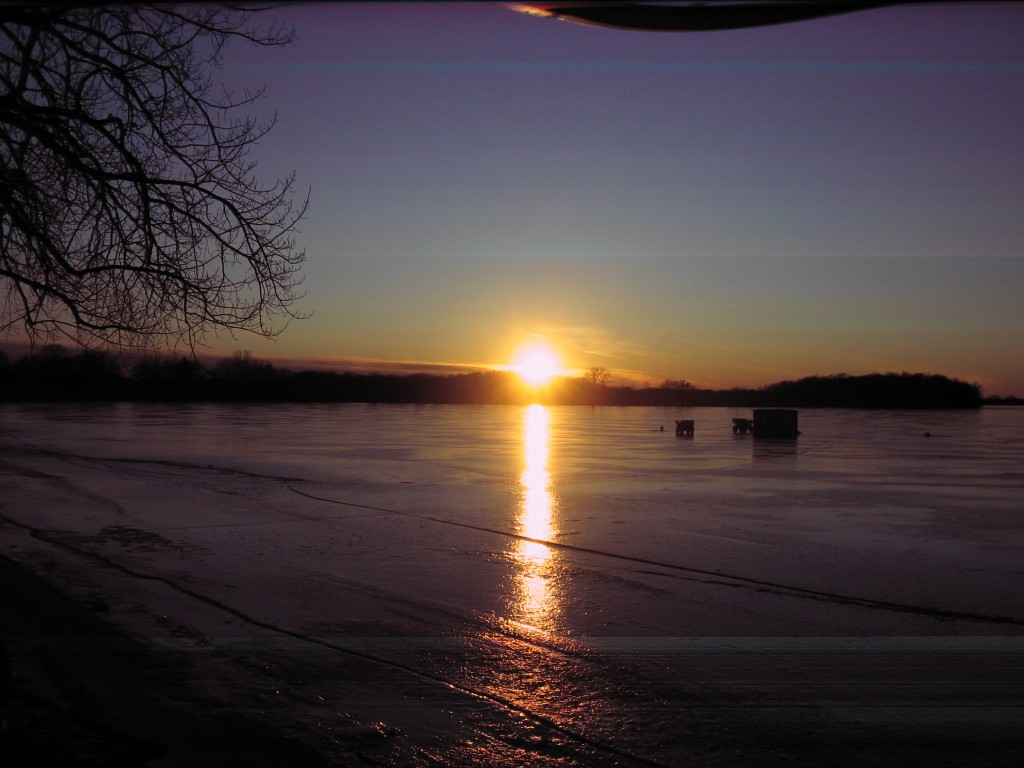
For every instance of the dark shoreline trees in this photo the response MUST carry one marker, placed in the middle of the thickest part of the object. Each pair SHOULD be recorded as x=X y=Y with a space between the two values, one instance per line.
x=54 y=374
x=904 y=390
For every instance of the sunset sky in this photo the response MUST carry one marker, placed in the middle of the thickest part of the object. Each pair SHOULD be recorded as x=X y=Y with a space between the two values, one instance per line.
x=729 y=208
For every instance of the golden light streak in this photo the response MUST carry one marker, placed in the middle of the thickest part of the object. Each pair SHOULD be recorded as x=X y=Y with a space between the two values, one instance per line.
x=536 y=601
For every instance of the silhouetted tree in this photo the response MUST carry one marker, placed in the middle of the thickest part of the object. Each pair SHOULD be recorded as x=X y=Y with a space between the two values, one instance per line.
x=54 y=372
x=242 y=366
x=50 y=363
x=876 y=390
x=597 y=375
x=129 y=209
x=676 y=384
x=153 y=370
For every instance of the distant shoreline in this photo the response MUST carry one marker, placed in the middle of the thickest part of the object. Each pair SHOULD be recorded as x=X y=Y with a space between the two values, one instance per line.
x=55 y=375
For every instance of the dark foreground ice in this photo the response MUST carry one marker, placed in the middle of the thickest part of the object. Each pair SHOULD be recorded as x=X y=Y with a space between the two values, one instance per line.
x=457 y=585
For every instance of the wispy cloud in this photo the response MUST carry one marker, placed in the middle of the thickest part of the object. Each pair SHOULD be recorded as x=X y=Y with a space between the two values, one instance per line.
x=581 y=346
x=589 y=341
x=376 y=365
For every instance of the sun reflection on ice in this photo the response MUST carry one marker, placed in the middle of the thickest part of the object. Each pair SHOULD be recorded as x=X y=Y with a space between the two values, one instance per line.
x=536 y=601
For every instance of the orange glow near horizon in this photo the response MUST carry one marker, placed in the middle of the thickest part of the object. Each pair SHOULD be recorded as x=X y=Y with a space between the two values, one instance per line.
x=537 y=363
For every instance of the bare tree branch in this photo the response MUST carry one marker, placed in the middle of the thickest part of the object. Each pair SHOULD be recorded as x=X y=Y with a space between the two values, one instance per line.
x=130 y=212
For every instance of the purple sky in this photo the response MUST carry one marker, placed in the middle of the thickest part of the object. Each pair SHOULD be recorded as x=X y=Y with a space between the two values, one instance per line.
x=730 y=208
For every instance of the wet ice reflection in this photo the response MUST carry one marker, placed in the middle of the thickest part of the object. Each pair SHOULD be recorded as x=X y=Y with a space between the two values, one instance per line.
x=535 y=600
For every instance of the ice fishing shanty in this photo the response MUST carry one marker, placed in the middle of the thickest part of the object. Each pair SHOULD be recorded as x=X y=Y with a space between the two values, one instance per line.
x=778 y=423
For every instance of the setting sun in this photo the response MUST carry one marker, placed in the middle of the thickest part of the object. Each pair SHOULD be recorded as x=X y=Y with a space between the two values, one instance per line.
x=537 y=363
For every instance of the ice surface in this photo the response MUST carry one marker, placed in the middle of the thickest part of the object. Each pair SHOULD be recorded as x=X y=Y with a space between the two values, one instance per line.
x=507 y=530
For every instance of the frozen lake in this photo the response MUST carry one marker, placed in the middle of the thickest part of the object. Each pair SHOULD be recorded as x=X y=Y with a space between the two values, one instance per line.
x=532 y=557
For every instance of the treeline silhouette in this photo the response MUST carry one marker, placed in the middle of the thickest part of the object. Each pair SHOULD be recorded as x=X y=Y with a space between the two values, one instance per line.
x=55 y=374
